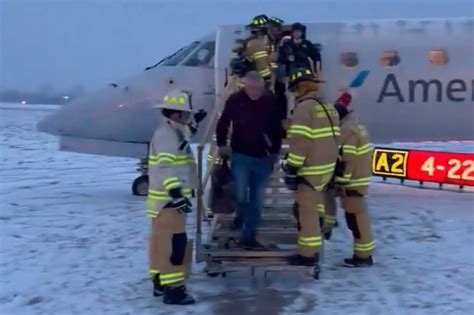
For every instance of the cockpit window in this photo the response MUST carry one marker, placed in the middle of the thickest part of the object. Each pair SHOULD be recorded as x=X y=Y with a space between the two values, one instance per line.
x=203 y=56
x=175 y=58
x=178 y=56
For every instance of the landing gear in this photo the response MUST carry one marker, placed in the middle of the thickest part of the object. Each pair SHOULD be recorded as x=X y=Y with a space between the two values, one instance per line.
x=315 y=272
x=140 y=184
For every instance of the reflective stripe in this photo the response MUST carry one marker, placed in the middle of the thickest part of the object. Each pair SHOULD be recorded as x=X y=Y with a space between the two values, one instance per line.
x=364 y=149
x=305 y=131
x=171 y=159
x=171 y=182
x=352 y=149
x=259 y=55
x=320 y=208
x=317 y=170
x=349 y=149
x=360 y=182
x=265 y=72
x=152 y=213
x=295 y=160
x=314 y=241
x=320 y=187
x=153 y=272
x=273 y=65
x=343 y=180
x=170 y=278
x=330 y=219
x=364 y=247
x=215 y=160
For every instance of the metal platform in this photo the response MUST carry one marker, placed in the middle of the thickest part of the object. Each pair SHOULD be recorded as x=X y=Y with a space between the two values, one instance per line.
x=219 y=248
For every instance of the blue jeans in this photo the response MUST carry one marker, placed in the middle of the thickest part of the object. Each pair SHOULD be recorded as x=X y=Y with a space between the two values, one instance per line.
x=251 y=176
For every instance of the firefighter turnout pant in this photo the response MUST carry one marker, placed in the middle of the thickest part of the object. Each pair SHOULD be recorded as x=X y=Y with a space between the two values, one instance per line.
x=329 y=210
x=357 y=219
x=307 y=200
x=170 y=253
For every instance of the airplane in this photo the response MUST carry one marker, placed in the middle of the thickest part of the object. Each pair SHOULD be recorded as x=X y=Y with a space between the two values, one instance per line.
x=419 y=86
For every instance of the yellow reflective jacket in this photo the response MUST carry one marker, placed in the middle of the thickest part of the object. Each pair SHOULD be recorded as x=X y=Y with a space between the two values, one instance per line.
x=356 y=154
x=256 y=50
x=313 y=138
x=171 y=164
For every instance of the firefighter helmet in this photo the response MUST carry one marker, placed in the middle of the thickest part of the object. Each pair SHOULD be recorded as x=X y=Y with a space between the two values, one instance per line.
x=176 y=100
x=258 y=22
x=300 y=75
x=275 y=21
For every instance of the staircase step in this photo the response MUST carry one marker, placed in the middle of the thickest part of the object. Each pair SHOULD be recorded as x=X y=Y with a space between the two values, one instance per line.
x=280 y=196
x=277 y=221
x=246 y=254
x=278 y=208
x=270 y=235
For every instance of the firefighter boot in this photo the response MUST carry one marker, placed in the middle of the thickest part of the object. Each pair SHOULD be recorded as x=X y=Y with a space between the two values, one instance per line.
x=157 y=288
x=356 y=262
x=298 y=260
x=177 y=296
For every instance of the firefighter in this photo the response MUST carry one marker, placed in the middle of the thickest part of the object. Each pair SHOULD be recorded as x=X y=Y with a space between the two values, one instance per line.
x=239 y=65
x=172 y=178
x=329 y=213
x=274 y=33
x=313 y=152
x=257 y=48
x=353 y=184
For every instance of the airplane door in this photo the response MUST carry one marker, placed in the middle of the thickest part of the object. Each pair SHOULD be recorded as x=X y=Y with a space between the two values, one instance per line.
x=226 y=35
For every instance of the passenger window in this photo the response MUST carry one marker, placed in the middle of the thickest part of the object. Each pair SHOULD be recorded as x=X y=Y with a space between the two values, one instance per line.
x=349 y=59
x=438 y=57
x=203 y=56
x=390 y=59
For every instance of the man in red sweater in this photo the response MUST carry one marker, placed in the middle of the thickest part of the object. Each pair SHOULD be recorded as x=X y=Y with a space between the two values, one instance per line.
x=255 y=145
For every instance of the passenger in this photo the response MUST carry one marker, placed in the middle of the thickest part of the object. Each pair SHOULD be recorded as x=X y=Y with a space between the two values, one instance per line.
x=172 y=179
x=353 y=185
x=313 y=152
x=300 y=52
x=257 y=47
x=255 y=146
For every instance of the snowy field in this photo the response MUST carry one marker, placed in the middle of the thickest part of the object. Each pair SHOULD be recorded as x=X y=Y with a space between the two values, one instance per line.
x=73 y=241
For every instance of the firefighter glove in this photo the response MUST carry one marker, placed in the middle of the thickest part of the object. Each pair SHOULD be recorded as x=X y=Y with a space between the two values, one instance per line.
x=182 y=205
x=200 y=115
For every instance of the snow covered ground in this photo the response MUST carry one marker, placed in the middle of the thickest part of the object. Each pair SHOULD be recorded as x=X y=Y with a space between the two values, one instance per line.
x=73 y=241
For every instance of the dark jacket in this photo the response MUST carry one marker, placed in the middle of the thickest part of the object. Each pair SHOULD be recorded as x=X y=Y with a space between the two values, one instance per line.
x=301 y=52
x=256 y=125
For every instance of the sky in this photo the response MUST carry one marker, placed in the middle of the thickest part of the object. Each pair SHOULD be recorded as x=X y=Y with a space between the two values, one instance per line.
x=64 y=43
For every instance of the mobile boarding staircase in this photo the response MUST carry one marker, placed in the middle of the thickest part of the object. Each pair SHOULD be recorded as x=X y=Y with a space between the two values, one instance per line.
x=277 y=230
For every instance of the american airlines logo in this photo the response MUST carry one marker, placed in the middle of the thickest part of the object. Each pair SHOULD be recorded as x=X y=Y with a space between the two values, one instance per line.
x=422 y=90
